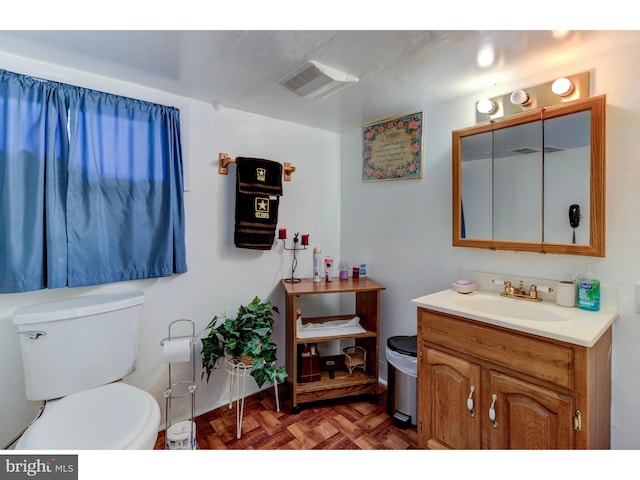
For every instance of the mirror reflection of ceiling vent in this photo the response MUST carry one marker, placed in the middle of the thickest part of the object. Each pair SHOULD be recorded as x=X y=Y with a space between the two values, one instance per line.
x=524 y=150
x=314 y=80
x=551 y=149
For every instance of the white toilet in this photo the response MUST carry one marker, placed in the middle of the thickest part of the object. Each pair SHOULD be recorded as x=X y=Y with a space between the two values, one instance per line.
x=74 y=352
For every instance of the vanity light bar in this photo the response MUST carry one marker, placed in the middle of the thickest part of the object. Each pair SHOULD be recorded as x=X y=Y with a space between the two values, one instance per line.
x=561 y=90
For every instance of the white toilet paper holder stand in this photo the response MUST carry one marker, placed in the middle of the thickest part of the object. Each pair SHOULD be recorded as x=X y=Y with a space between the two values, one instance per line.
x=181 y=389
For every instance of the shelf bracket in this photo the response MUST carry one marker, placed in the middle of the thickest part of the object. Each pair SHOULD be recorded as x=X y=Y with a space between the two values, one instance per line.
x=288 y=169
x=223 y=166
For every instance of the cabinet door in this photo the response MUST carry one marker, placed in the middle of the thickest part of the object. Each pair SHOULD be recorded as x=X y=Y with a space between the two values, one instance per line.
x=445 y=384
x=528 y=416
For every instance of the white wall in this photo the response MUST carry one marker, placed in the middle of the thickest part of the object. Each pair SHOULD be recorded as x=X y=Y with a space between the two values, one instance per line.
x=220 y=276
x=405 y=226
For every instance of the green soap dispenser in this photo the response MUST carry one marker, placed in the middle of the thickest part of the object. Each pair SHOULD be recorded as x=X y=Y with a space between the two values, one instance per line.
x=588 y=291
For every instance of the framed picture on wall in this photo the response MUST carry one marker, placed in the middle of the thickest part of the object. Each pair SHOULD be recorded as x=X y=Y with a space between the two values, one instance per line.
x=392 y=149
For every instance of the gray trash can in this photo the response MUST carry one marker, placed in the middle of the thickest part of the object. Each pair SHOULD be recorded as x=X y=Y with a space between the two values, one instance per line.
x=402 y=374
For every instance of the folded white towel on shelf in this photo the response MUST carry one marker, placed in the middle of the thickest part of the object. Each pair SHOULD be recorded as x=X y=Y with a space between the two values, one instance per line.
x=329 y=329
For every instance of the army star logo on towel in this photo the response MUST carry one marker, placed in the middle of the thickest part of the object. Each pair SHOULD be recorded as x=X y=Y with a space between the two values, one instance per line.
x=262 y=207
x=261 y=174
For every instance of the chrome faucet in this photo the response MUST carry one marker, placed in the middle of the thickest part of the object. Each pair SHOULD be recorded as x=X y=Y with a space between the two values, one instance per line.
x=511 y=291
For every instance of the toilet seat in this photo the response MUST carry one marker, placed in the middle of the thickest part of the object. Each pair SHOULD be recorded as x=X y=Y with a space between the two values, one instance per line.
x=116 y=416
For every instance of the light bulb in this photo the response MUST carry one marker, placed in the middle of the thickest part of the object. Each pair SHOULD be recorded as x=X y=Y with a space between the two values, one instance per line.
x=486 y=106
x=486 y=56
x=520 y=97
x=562 y=86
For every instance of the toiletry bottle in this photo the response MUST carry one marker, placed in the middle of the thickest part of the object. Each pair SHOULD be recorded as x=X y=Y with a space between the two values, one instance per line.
x=343 y=270
x=328 y=268
x=363 y=267
x=588 y=291
x=317 y=265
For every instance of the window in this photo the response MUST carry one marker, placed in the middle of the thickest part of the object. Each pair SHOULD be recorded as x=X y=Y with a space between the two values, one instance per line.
x=91 y=187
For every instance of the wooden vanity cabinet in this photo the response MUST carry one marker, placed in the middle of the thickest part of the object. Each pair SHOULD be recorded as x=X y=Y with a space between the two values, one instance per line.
x=485 y=386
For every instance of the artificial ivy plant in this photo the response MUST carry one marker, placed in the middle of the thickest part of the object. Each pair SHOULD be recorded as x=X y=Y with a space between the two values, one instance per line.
x=247 y=335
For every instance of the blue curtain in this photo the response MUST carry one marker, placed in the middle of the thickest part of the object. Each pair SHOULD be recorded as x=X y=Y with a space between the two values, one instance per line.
x=92 y=187
x=21 y=177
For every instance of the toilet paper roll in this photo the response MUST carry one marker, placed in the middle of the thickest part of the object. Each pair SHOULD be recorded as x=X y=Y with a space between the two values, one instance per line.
x=178 y=350
x=182 y=436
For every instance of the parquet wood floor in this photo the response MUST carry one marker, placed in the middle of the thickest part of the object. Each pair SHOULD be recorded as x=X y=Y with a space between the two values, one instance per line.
x=355 y=423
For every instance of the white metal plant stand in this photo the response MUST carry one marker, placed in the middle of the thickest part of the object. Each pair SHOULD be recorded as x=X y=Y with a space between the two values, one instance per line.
x=239 y=371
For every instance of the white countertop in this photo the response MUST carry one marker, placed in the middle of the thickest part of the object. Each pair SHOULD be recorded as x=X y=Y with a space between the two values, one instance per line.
x=577 y=326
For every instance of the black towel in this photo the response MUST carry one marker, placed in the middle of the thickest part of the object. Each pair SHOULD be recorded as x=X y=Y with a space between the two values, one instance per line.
x=257 y=175
x=258 y=188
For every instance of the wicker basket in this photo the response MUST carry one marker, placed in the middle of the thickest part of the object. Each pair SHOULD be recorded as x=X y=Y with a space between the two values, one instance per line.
x=355 y=357
x=244 y=361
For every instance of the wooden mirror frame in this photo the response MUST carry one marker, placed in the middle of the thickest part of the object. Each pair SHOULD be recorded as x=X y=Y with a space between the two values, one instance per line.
x=596 y=245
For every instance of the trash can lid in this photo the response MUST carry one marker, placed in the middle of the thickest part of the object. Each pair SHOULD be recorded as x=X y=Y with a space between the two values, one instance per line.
x=407 y=345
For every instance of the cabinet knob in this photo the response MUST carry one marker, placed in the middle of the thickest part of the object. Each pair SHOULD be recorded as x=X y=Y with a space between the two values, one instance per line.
x=577 y=421
x=470 y=401
x=492 y=411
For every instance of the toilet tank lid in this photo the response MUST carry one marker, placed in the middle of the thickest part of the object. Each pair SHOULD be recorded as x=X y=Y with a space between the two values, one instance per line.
x=77 y=307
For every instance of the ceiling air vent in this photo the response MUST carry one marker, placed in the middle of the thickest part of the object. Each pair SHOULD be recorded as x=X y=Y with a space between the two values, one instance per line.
x=314 y=80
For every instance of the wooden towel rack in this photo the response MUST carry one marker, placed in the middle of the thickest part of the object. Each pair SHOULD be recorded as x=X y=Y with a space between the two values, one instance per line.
x=225 y=160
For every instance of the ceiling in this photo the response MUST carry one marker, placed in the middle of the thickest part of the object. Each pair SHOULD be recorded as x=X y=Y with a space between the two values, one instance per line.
x=399 y=72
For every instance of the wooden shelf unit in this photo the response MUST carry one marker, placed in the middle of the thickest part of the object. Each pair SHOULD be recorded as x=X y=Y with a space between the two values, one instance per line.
x=367 y=308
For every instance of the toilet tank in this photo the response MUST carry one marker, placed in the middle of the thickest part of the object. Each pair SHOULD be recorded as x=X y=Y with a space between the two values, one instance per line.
x=78 y=343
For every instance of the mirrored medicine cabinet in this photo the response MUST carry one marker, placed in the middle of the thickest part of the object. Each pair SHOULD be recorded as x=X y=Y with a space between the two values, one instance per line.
x=533 y=181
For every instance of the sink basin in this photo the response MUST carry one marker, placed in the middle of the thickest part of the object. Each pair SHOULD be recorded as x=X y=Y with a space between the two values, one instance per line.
x=513 y=308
